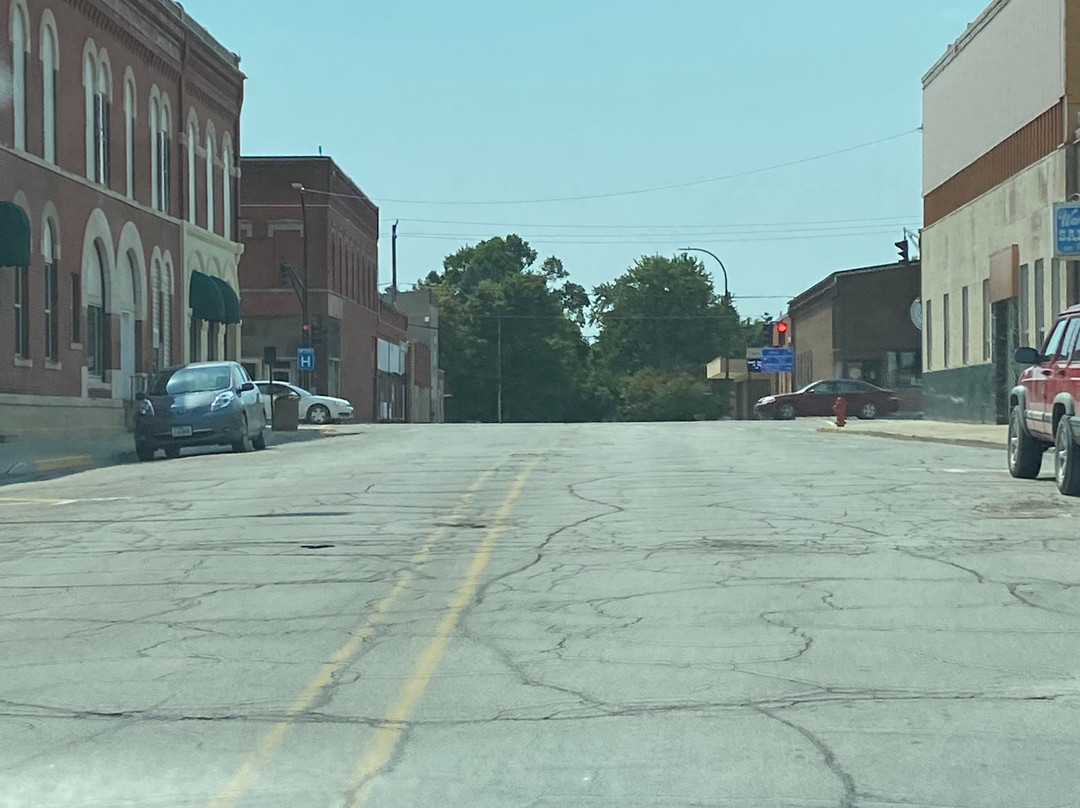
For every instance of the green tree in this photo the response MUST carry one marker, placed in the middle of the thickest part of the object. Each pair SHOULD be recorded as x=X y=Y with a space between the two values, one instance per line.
x=492 y=304
x=663 y=313
x=651 y=395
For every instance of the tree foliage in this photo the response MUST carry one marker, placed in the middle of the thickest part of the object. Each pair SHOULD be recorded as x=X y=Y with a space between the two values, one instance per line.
x=496 y=311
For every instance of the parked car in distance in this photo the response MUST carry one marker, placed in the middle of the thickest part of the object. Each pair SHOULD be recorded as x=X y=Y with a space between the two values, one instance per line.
x=1042 y=406
x=202 y=404
x=864 y=400
x=313 y=409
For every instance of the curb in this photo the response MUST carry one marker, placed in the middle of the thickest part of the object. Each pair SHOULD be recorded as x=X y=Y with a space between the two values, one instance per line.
x=969 y=442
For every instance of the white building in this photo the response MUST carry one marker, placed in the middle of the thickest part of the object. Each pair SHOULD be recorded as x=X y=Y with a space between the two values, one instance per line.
x=999 y=116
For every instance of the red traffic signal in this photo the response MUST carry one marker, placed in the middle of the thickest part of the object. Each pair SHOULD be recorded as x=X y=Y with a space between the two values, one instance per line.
x=781 y=327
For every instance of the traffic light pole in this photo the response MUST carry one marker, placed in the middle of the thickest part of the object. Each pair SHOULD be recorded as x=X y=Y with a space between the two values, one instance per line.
x=305 y=325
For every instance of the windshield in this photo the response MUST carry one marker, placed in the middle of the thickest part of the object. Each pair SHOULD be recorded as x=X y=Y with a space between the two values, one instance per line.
x=191 y=380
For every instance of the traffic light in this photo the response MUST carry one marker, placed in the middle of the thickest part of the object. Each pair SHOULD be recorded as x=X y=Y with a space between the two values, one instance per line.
x=782 y=333
x=902 y=246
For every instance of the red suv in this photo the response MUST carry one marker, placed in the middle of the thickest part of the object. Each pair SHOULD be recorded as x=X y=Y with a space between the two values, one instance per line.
x=1043 y=406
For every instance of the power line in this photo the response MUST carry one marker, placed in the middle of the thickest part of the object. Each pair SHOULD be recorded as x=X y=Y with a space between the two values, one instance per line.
x=645 y=239
x=670 y=187
x=899 y=220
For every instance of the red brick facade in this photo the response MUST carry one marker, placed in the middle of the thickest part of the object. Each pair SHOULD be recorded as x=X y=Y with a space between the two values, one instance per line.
x=346 y=314
x=114 y=190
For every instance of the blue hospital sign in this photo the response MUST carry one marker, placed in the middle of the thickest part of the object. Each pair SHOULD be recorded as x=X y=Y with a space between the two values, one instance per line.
x=1067 y=230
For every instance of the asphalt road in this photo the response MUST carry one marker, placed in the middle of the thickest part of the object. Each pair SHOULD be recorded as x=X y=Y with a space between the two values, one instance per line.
x=718 y=614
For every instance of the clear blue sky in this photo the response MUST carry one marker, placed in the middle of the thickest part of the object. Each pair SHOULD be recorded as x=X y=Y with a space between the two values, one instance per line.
x=484 y=101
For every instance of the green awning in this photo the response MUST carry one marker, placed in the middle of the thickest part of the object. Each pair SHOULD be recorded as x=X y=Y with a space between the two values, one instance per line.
x=230 y=300
x=205 y=297
x=14 y=236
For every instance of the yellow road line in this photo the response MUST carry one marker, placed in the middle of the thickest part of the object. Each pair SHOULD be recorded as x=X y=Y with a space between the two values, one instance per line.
x=382 y=746
x=269 y=744
x=64 y=463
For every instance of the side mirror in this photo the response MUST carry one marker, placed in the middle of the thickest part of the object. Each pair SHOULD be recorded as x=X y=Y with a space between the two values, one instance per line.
x=247 y=387
x=1028 y=356
x=140 y=396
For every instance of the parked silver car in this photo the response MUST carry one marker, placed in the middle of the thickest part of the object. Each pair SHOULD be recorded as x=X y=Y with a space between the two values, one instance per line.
x=203 y=404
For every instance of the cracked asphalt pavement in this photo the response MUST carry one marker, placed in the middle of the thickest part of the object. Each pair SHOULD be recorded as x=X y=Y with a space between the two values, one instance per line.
x=708 y=614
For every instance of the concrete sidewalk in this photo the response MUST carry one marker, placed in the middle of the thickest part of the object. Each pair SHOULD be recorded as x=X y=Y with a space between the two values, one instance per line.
x=21 y=461
x=987 y=436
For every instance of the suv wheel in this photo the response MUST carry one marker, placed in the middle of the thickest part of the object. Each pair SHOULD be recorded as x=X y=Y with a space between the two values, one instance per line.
x=244 y=444
x=1025 y=453
x=1066 y=459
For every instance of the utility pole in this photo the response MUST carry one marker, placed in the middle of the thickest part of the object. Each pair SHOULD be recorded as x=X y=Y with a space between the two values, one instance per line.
x=305 y=326
x=393 y=261
x=500 y=371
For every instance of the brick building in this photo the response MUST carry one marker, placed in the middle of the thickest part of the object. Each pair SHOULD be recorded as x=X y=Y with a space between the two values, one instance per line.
x=360 y=340
x=858 y=324
x=117 y=139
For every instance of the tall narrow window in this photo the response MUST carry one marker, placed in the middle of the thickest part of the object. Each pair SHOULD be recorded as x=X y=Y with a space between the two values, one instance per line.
x=22 y=312
x=50 y=62
x=1055 y=288
x=987 y=319
x=129 y=137
x=1040 y=304
x=1025 y=305
x=210 y=217
x=192 y=145
x=20 y=46
x=154 y=115
x=95 y=314
x=166 y=315
x=965 y=326
x=945 y=358
x=76 y=309
x=102 y=114
x=226 y=191
x=164 y=157
x=928 y=329
x=52 y=297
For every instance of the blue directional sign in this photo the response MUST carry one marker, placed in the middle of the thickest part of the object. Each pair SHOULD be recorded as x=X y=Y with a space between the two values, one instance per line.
x=1067 y=230
x=305 y=359
x=777 y=360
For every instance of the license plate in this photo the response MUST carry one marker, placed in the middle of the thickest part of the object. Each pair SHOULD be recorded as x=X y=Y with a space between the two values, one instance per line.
x=181 y=431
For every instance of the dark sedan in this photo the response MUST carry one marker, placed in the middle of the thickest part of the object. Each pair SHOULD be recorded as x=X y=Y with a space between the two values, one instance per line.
x=863 y=400
x=204 y=404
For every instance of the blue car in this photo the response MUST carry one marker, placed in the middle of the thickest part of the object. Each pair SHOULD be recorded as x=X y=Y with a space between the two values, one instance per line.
x=203 y=404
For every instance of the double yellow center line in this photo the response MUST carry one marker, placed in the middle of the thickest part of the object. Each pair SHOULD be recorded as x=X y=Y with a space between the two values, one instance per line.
x=382 y=745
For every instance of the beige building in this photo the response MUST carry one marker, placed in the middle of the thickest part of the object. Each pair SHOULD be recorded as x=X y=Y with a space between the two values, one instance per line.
x=1000 y=119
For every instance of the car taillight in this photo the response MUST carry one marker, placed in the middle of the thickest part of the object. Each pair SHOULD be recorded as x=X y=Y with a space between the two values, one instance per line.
x=146 y=407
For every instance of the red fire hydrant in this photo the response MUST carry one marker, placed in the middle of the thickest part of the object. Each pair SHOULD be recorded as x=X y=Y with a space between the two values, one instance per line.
x=839 y=409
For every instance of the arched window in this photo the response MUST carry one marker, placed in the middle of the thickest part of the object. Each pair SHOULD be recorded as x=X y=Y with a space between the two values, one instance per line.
x=162 y=150
x=192 y=145
x=129 y=134
x=155 y=314
x=226 y=188
x=95 y=312
x=50 y=251
x=211 y=218
x=50 y=64
x=166 y=312
x=97 y=82
x=20 y=47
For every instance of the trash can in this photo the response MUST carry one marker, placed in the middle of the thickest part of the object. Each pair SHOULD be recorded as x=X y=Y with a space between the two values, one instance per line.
x=286 y=413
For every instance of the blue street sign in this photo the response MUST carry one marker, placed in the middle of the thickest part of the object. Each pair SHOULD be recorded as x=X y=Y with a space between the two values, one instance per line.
x=778 y=354
x=305 y=359
x=1067 y=230
x=777 y=368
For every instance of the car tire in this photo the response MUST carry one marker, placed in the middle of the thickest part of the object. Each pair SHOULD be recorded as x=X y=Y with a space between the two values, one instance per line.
x=1066 y=459
x=145 y=453
x=259 y=441
x=785 y=412
x=172 y=452
x=1024 y=452
x=318 y=414
x=244 y=444
x=868 y=412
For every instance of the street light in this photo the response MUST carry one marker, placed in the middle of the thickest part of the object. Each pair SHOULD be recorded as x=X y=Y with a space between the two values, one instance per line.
x=727 y=297
x=305 y=326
